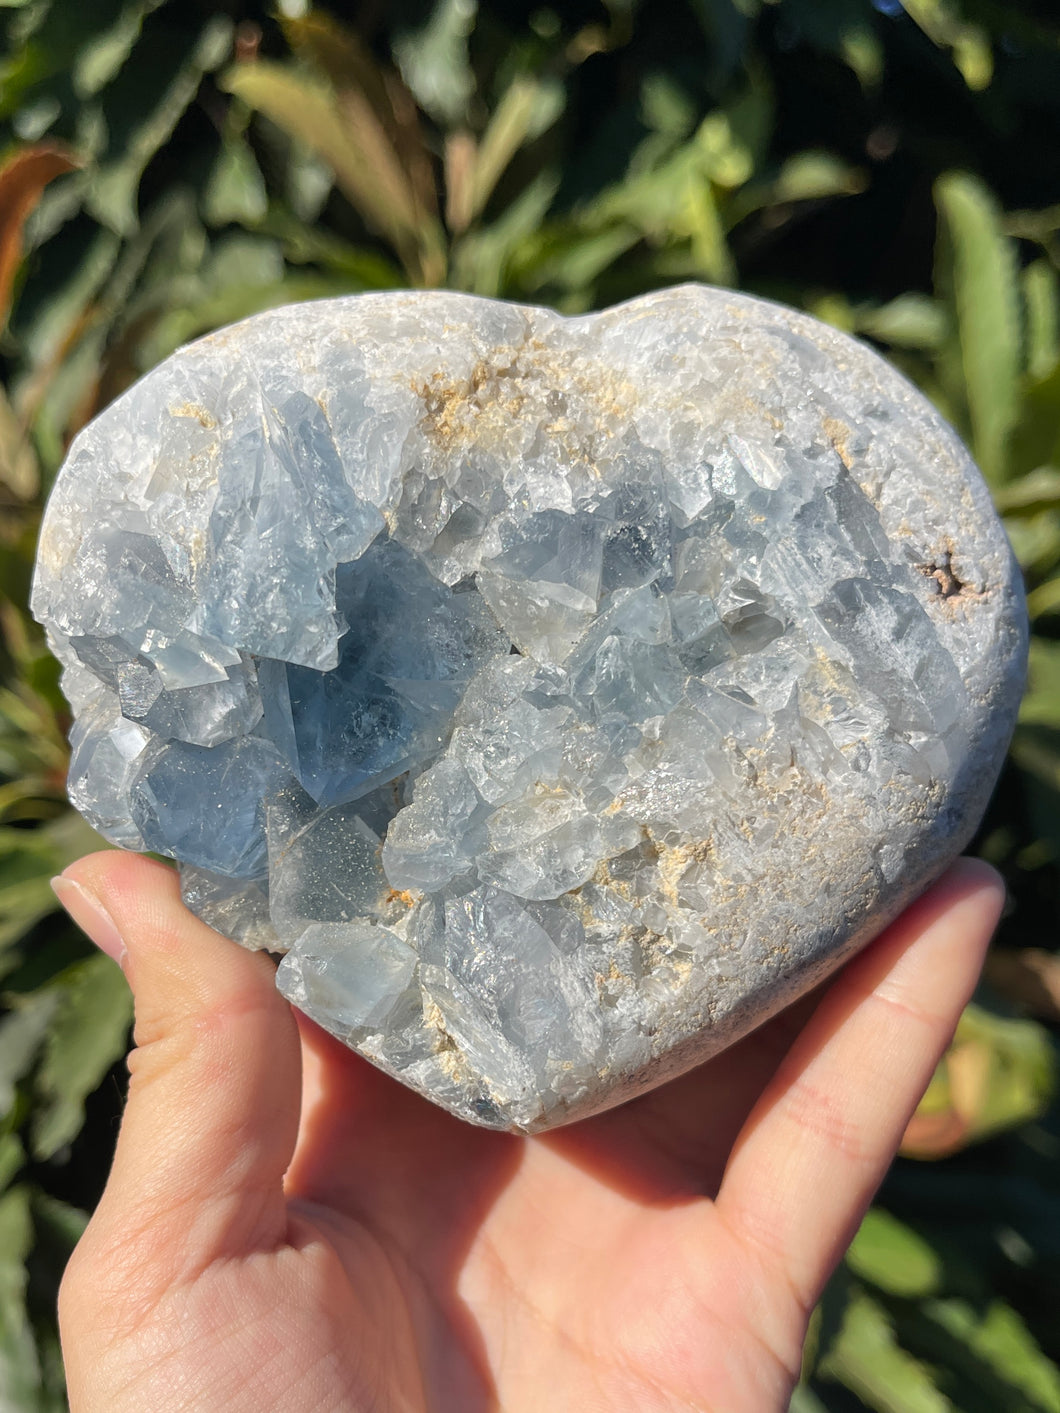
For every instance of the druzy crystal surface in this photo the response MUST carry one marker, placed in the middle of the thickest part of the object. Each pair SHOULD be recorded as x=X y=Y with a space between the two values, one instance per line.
x=561 y=696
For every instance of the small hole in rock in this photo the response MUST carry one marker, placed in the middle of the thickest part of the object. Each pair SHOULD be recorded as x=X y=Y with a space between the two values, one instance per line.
x=940 y=569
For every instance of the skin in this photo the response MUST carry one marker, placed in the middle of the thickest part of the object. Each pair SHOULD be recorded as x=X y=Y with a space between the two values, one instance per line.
x=286 y=1228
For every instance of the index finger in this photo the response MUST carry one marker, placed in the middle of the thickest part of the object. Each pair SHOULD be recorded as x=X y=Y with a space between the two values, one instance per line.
x=818 y=1142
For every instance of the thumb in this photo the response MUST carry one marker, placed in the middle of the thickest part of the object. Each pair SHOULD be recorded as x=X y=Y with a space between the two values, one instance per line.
x=212 y=1113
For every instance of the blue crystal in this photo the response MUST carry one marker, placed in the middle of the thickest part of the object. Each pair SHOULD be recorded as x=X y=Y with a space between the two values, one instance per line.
x=205 y=804
x=385 y=978
x=409 y=649
x=237 y=907
x=324 y=870
x=202 y=715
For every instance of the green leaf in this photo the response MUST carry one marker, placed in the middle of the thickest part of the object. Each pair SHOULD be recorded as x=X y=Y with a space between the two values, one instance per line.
x=375 y=104
x=985 y=1356
x=22 y=1032
x=89 y=1032
x=18 y=464
x=12 y=1158
x=58 y=1227
x=85 y=348
x=573 y=260
x=1036 y=491
x=243 y=260
x=698 y=219
x=1002 y=1071
x=1041 y=703
x=101 y=57
x=722 y=154
x=969 y=44
x=111 y=196
x=834 y=309
x=1036 y=440
x=350 y=138
x=1034 y=225
x=666 y=107
x=1036 y=541
x=893 y=1257
x=61 y=1223
x=650 y=200
x=752 y=119
x=863 y=52
x=1000 y=1339
x=908 y=321
x=435 y=64
x=74 y=386
x=69 y=292
x=804 y=1400
x=1044 y=600
x=302 y=244
x=809 y=176
x=1042 y=298
x=70 y=837
x=867 y=1359
x=528 y=108
x=235 y=191
x=19 y=1368
x=50 y=37
x=727 y=26
x=23 y=902
x=674 y=206
x=1036 y=751
x=976 y=275
x=247 y=297
x=482 y=259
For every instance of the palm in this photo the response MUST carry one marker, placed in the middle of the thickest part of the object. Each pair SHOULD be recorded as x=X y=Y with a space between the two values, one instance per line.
x=520 y=1266
x=410 y=1261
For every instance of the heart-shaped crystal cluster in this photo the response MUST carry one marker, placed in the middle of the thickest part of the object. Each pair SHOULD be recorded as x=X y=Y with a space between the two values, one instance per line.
x=562 y=696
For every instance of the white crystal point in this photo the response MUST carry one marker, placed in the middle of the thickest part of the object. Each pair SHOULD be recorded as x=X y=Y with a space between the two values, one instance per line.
x=562 y=696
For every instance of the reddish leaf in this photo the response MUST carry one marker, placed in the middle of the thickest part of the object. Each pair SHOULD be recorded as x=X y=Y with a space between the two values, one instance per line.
x=22 y=179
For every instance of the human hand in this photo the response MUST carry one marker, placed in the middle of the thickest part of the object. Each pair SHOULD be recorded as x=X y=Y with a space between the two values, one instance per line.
x=287 y=1228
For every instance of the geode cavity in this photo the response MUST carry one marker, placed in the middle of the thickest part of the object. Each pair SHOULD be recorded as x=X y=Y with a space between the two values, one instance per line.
x=563 y=696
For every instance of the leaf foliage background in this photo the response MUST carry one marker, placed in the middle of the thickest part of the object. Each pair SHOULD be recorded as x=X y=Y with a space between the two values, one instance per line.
x=168 y=166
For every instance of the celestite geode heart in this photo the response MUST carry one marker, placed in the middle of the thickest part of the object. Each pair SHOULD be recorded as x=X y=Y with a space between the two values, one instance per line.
x=563 y=696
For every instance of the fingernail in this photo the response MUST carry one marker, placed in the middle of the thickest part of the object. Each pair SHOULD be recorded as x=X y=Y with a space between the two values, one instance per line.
x=91 y=917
